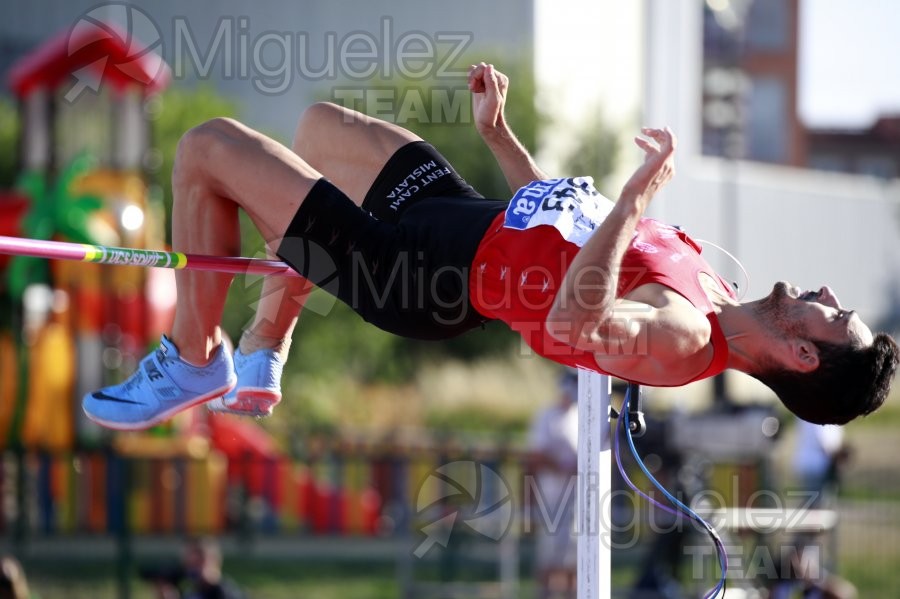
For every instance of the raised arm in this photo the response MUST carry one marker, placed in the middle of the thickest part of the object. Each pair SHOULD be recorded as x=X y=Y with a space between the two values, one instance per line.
x=488 y=87
x=583 y=314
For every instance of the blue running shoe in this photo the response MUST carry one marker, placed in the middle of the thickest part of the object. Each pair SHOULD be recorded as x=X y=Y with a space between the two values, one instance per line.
x=258 y=389
x=162 y=386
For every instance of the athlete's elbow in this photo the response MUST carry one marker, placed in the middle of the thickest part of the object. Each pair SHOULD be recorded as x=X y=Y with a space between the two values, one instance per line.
x=570 y=328
x=561 y=330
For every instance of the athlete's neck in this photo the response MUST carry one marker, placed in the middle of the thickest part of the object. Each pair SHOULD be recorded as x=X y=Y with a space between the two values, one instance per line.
x=746 y=339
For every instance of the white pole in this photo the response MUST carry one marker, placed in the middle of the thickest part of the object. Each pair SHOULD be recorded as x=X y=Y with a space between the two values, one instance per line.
x=594 y=477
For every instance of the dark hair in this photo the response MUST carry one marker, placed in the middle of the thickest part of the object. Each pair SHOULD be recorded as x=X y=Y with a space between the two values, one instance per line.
x=849 y=382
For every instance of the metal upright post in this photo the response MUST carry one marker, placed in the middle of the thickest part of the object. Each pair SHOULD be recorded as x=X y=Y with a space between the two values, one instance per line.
x=594 y=477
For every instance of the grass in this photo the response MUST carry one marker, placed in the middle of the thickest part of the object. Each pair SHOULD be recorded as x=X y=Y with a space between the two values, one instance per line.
x=276 y=580
x=869 y=550
x=316 y=581
x=875 y=576
x=258 y=579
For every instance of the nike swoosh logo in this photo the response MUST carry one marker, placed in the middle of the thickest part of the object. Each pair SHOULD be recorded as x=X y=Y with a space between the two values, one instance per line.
x=102 y=395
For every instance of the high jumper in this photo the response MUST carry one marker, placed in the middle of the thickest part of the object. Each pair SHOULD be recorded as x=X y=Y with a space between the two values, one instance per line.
x=374 y=215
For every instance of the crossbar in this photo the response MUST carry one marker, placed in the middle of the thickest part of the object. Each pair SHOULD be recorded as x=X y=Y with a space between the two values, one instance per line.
x=101 y=254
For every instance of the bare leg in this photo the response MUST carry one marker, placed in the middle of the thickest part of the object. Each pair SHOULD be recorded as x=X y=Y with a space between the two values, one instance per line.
x=221 y=166
x=350 y=149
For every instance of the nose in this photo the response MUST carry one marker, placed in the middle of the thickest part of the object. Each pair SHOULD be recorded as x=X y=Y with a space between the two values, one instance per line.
x=828 y=297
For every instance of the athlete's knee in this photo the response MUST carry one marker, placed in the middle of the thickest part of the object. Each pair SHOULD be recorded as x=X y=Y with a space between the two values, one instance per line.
x=317 y=121
x=222 y=125
x=202 y=145
x=324 y=113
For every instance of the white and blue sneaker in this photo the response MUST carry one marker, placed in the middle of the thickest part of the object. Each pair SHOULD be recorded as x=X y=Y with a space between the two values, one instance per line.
x=162 y=386
x=258 y=387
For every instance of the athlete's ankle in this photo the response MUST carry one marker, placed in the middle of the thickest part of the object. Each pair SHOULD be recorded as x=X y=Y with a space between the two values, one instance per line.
x=251 y=342
x=198 y=356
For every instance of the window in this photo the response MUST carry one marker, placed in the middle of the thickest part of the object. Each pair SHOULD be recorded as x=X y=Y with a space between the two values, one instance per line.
x=877 y=166
x=767 y=121
x=828 y=162
x=768 y=24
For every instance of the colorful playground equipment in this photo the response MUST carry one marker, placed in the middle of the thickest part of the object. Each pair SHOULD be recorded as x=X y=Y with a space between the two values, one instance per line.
x=82 y=180
x=67 y=328
x=190 y=487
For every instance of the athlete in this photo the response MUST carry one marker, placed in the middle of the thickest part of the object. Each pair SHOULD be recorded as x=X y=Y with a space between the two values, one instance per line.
x=377 y=217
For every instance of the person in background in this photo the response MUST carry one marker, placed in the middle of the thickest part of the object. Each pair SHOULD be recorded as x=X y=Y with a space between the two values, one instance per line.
x=198 y=576
x=13 y=584
x=553 y=461
x=819 y=454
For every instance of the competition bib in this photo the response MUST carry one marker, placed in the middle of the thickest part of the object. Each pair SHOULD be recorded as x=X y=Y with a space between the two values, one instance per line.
x=570 y=205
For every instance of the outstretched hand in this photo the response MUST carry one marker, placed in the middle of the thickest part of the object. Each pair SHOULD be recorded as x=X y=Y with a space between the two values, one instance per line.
x=659 y=163
x=488 y=87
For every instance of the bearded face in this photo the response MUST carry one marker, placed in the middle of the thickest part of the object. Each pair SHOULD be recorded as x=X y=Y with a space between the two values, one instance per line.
x=779 y=311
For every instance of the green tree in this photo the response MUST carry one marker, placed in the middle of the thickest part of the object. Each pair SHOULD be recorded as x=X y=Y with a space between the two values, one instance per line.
x=9 y=134
x=171 y=114
x=595 y=153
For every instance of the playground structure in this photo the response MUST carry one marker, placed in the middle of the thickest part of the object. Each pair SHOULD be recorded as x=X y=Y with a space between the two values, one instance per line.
x=70 y=328
x=82 y=179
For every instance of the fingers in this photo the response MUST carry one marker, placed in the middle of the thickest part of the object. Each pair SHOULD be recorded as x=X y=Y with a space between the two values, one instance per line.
x=502 y=80
x=645 y=145
x=476 y=77
x=483 y=74
x=656 y=141
x=491 y=82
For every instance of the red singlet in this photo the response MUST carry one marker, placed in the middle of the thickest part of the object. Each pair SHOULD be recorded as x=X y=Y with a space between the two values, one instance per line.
x=516 y=274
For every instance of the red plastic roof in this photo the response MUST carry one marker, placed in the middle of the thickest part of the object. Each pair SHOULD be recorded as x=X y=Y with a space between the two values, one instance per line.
x=100 y=51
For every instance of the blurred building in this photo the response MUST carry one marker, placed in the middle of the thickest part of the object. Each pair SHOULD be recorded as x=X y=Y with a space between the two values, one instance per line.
x=873 y=151
x=750 y=96
x=750 y=56
x=276 y=57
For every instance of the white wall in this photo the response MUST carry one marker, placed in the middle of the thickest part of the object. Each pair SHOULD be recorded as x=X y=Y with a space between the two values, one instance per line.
x=808 y=227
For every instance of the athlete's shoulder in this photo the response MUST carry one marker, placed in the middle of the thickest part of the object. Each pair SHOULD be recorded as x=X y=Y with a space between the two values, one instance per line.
x=668 y=343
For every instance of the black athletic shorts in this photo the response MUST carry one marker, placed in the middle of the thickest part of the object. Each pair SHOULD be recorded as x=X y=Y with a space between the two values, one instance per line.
x=402 y=261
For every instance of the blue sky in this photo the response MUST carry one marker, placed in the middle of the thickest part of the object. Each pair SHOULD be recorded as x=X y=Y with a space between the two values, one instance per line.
x=849 y=61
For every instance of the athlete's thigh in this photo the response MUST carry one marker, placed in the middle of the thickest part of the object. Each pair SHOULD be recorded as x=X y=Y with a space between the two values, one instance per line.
x=348 y=147
x=230 y=160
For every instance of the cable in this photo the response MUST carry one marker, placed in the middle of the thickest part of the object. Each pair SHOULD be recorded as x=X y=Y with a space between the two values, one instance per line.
x=720 y=547
x=736 y=261
x=631 y=485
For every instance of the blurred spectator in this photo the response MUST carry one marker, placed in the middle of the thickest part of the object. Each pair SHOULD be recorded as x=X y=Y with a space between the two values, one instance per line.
x=819 y=454
x=553 y=460
x=198 y=576
x=12 y=579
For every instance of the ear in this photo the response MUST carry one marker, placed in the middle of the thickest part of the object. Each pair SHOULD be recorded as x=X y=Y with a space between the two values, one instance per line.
x=804 y=355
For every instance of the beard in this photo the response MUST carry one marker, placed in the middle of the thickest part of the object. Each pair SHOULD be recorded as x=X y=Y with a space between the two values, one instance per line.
x=777 y=316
